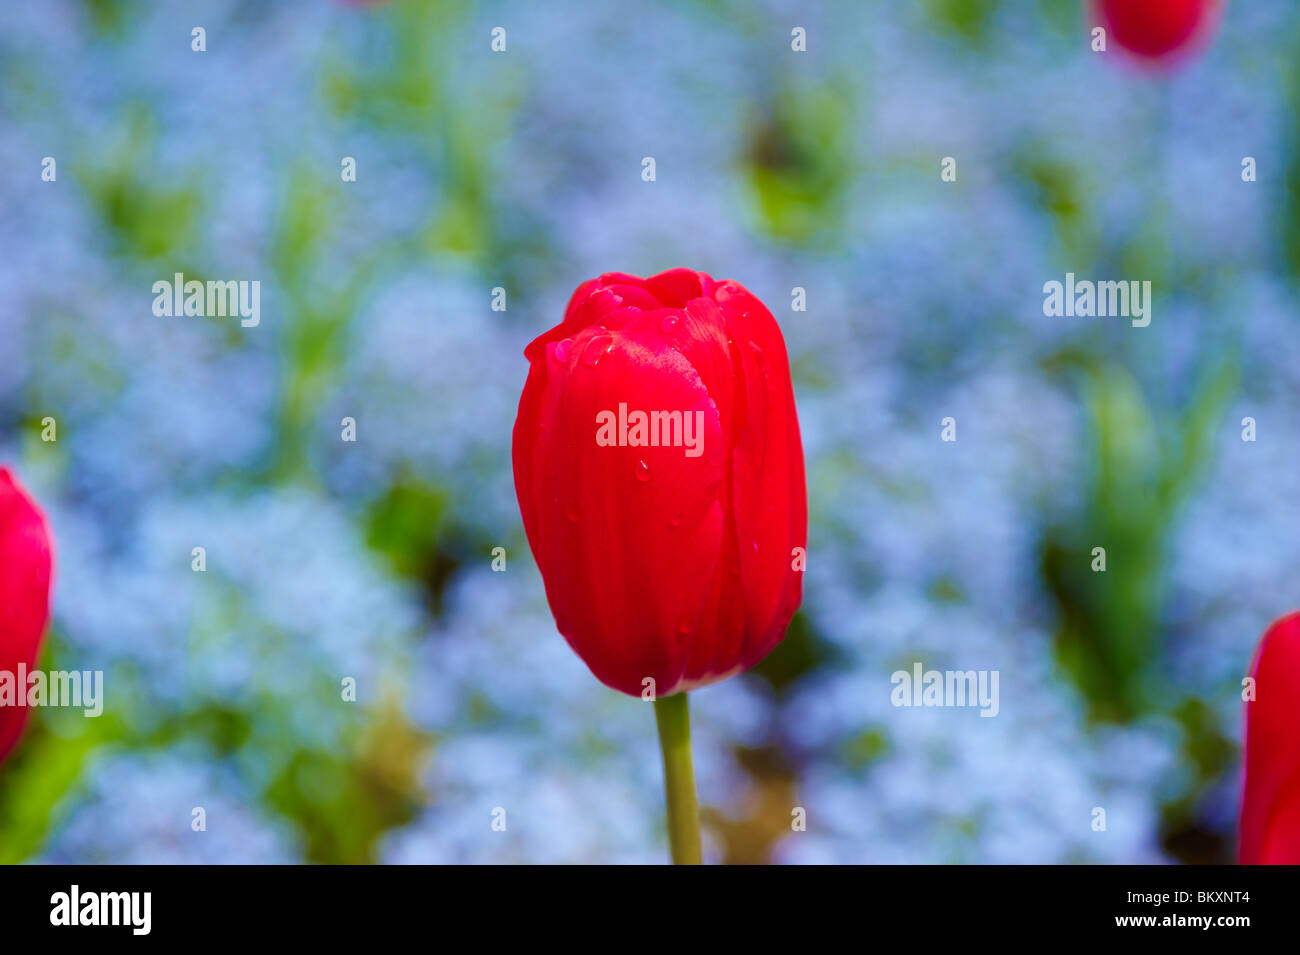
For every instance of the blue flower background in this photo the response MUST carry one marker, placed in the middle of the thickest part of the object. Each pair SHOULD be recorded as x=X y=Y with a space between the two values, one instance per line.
x=522 y=170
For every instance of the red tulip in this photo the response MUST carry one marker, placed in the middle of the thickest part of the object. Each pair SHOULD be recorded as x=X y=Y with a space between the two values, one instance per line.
x=667 y=552
x=25 y=567
x=1270 y=805
x=1155 y=29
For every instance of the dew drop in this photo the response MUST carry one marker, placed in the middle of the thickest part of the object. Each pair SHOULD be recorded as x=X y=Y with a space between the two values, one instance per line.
x=676 y=520
x=597 y=348
x=642 y=470
x=755 y=545
x=669 y=324
x=562 y=349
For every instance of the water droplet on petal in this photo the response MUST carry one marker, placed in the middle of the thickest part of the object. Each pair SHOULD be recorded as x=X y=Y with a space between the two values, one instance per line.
x=676 y=520
x=571 y=510
x=642 y=470
x=562 y=349
x=669 y=324
x=685 y=627
x=597 y=348
x=756 y=545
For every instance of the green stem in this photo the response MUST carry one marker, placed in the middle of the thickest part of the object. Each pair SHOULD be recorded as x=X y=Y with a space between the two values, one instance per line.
x=673 y=715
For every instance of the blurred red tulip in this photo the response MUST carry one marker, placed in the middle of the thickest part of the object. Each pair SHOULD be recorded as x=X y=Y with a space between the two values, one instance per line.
x=1158 y=29
x=1270 y=805
x=25 y=568
x=666 y=559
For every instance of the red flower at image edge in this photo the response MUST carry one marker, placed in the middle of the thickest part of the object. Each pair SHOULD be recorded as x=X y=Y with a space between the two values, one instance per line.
x=25 y=570
x=1157 y=29
x=1270 y=805
x=682 y=562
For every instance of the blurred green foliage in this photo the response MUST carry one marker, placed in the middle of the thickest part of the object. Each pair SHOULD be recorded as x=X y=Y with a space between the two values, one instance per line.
x=1142 y=465
x=150 y=220
x=798 y=161
x=968 y=18
x=1140 y=469
x=802 y=651
x=56 y=745
x=1290 y=175
x=344 y=802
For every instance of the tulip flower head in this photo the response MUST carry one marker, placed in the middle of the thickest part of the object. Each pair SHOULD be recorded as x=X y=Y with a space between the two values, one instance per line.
x=25 y=568
x=1270 y=806
x=660 y=476
x=1157 y=31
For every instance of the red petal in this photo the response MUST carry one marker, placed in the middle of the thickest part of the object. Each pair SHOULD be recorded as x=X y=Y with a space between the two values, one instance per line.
x=626 y=537
x=770 y=496
x=1270 y=807
x=714 y=593
x=25 y=569
x=675 y=287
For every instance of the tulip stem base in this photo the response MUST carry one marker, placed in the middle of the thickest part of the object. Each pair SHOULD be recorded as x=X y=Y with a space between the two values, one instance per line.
x=673 y=715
